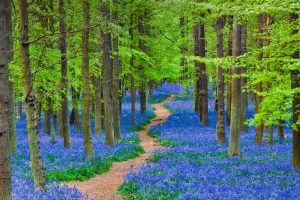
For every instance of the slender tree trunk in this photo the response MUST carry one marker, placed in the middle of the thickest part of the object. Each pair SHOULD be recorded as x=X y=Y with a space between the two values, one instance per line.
x=116 y=76
x=204 y=79
x=132 y=86
x=244 y=103
x=5 y=99
x=9 y=53
x=98 y=105
x=271 y=136
x=228 y=74
x=234 y=141
x=260 y=126
x=143 y=30
x=75 y=112
x=86 y=105
x=19 y=115
x=37 y=166
x=106 y=77
x=47 y=116
x=197 y=73
x=63 y=113
x=295 y=78
x=280 y=131
x=53 y=129
x=220 y=84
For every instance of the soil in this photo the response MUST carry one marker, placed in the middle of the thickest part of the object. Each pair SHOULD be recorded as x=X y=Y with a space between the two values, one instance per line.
x=105 y=186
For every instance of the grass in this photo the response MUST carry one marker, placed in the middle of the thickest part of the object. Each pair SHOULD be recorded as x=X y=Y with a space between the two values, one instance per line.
x=98 y=166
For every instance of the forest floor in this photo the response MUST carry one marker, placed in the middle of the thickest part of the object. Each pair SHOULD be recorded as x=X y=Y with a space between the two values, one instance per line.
x=105 y=186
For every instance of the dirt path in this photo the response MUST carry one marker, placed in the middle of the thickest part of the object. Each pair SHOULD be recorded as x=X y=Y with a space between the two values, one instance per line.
x=105 y=186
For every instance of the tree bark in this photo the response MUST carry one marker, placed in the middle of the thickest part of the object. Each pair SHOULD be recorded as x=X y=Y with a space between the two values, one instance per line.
x=86 y=105
x=228 y=74
x=53 y=129
x=19 y=115
x=204 y=79
x=37 y=166
x=106 y=78
x=9 y=53
x=197 y=100
x=116 y=76
x=75 y=112
x=132 y=81
x=259 y=43
x=47 y=116
x=244 y=100
x=98 y=105
x=63 y=113
x=280 y=131
x=5 y=99
x=220 y=83
x=234 y=140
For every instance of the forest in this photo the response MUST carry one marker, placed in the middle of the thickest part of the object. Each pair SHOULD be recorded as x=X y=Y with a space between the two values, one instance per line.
x=149 y=99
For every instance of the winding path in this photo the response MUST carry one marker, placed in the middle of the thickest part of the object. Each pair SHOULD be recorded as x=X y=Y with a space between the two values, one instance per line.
x=105 y=186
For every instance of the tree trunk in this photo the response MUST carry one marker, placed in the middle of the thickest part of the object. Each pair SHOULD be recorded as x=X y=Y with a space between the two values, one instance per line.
x=116 y=76
x=234 y=141
x=259 y=43
x=197 y=101
x=75 y=112
x=204 y=79
x=244 y=103
x=19 y=115
x=98 y=105
x=63 y=118
x=53 y=130
x=143 y=29
x=106 y=77
x=295 y=78
x=271 y=136
x=220 y=84
x=228 y=74
x=132 y=86
x=5 y=99
x=280 y=131
x=37 y=167
x=47 y=116
x=86 y=105
x=9 y=54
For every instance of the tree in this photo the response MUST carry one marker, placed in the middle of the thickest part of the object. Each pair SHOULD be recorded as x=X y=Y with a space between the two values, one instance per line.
x=107 y=76
x=295 y=80
x=86 y=124
x=63 y=112
x=5 y=99
x=37 y=166
x=220 y=83
x=234 y=140
x=116 y=75
x=244 y=99
x=259 y=43
x=9 y=43
x=228 y=73
x=132 y=79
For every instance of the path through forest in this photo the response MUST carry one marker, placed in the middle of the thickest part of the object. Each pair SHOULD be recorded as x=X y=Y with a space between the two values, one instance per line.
x=105 y=186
